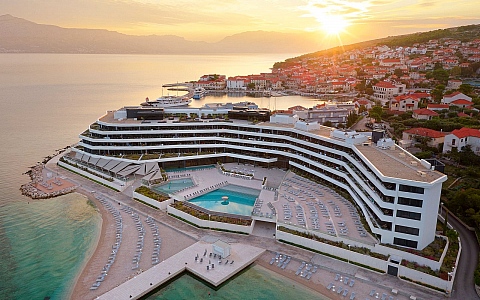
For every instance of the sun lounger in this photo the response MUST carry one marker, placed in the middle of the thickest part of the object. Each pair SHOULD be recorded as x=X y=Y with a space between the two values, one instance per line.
x=330 y=285
x=384 y=296
x=372 y=292
x=337 y=277
x=339 y=290
x=345 y=292
x=352 y=282
x=352 y=296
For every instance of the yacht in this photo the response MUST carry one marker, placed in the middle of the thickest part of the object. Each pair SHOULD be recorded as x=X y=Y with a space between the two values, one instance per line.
x=167 y=101
x=199 y=93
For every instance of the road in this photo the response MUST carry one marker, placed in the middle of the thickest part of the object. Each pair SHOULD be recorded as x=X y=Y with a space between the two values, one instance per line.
x=464 y=287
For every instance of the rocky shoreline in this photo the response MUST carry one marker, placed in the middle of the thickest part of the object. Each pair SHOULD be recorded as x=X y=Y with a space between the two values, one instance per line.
x=37 y=177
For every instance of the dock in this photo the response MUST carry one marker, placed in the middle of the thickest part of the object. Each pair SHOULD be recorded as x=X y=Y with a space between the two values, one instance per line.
x=193 y=259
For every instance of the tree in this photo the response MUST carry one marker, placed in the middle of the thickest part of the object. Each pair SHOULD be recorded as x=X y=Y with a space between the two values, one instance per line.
x=456 y=71
x=377 y=110
x=465 y=88
x=251 y=86
x=376 y=117
x=328 y=124
x=362 y=109
x=398 y=73
x=437 y=92
x=440 y=75
x=351 y=119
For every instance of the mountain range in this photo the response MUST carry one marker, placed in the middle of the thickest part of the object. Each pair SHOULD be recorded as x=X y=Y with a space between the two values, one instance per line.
x=22 y=36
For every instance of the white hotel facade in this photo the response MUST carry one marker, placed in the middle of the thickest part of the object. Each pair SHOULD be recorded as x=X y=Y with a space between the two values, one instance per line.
x=397 y=193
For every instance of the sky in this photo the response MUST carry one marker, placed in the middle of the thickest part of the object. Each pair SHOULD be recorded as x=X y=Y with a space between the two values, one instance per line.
x=342 y=21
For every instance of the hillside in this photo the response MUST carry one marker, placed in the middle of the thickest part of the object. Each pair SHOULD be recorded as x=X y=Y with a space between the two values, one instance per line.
x=21 y=36
x=463 y=33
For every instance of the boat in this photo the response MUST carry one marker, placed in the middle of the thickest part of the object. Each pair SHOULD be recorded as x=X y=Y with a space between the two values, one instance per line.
x=199 y=93
x=167 y=101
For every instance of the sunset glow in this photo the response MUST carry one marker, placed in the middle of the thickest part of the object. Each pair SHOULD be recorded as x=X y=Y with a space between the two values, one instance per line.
x=211 y=21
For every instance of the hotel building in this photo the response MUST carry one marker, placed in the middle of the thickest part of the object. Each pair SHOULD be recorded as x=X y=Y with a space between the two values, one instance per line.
x=397 y=193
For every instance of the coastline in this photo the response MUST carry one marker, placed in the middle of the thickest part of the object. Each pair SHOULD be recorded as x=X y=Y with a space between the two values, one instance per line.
x=96 y=249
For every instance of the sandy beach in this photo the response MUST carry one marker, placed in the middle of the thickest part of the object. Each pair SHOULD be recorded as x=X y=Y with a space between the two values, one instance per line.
x=121 y=270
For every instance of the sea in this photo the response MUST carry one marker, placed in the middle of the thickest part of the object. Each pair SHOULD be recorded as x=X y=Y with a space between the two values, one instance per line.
x=46 y=101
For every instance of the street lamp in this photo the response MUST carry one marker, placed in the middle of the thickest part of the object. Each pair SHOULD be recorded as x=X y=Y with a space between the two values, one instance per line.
x=441 y=206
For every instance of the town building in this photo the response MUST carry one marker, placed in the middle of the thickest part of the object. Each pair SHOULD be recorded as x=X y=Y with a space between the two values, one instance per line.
x=459 y=138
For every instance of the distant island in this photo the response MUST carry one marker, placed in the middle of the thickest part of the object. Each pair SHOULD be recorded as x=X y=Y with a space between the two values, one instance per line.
x=18 y=35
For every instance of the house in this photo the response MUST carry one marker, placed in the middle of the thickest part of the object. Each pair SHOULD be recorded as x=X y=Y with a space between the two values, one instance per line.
x=454 y=84
x=385 y=91
x=424 y=114
x=237 y=83
x=462 y=103
x=447 y=99
x=404 y=103
x=459 y=138
x=416 y=135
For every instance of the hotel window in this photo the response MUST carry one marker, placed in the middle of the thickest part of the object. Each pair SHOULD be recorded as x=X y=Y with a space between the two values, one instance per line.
x=409 y=215
x=411 y=189
x=404 y=242
x=410 y=202
x=453 y=142
x=406 y=229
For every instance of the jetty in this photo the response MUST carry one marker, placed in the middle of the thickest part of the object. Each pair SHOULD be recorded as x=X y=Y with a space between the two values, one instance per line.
x=201 y=259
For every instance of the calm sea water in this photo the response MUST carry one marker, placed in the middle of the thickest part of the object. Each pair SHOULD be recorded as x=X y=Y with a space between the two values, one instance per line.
x=253 y=283
x=46 y=101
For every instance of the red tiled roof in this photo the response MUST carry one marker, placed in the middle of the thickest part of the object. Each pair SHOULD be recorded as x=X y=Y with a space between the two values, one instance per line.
x=434 y=105
x=452 y=95
x=385 y=84
x=425 y=112
x=462 y=114
x=426 y=132
x=464 y=132
x=462 y=101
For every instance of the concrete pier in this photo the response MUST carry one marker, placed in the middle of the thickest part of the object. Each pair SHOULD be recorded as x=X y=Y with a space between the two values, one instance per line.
x=242 y=255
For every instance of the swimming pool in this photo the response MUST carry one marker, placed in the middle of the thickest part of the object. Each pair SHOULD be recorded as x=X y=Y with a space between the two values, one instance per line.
x=240 y=200
x=174 y=185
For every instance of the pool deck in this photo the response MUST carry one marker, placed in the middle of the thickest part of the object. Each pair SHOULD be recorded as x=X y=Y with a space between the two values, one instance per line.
x=242 y=255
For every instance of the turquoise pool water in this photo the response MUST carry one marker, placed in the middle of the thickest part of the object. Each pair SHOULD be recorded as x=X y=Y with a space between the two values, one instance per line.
x=174 y=185
x=240 y=200
x=255 y=282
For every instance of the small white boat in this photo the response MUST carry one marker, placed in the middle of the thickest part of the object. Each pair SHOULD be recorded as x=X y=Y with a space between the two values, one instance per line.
x=199 y=93
x=167 y=101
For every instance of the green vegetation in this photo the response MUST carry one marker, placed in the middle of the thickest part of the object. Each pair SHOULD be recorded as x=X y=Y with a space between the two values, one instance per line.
x=145 y=191
x=361 y=250
x=217 y=229
x=448 y=262
x=333 y=256
x=433 y=251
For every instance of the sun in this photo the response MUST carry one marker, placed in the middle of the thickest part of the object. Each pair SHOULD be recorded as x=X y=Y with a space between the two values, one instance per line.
x=333 y=24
